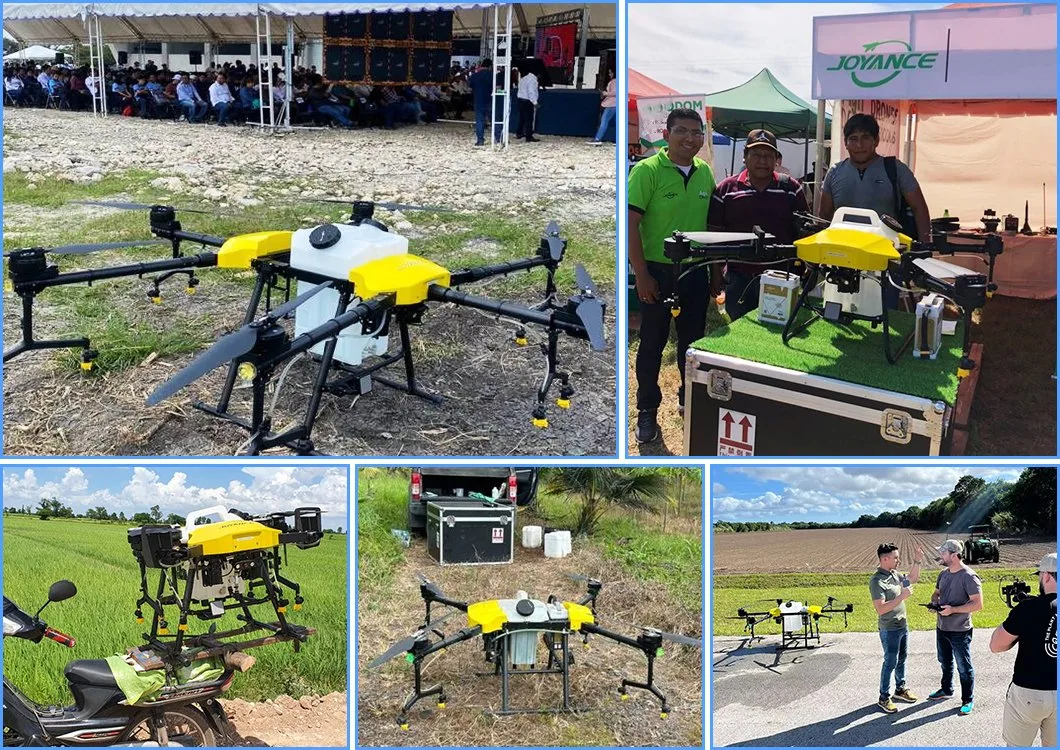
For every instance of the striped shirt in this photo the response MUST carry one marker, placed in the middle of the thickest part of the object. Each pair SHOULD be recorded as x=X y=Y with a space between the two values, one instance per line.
x=737 y=206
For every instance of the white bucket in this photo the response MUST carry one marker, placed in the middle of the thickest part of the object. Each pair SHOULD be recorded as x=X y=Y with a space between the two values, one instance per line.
x=557 y=544
x=531 y=537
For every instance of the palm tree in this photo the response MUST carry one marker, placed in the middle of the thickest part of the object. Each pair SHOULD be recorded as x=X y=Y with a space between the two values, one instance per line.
x=598 y=489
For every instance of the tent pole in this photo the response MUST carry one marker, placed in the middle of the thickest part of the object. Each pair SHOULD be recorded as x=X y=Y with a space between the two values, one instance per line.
x=806 y=154
x=732 y=165
x=582 y=46
x=818 y=173
x=287 y=64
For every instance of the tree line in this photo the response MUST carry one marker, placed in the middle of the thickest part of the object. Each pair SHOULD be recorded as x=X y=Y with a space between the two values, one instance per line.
x=1027 y=505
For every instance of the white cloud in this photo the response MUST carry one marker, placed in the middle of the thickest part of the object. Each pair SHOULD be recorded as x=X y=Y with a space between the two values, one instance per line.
x=267 y=490
x=843 y=493
x=718 y=489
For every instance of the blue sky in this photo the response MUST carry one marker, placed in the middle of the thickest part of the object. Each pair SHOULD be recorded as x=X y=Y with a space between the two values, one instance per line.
x=701 y=48
x=833 y=493
x=180 y=490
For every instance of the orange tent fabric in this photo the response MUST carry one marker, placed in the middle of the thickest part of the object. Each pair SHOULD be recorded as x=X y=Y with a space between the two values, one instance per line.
x=639 y=84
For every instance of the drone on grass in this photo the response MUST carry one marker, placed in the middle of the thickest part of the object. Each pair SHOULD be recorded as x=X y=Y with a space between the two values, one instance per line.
x=522 y=636
x=349 y=286
x=799 y=626
x=856 y=257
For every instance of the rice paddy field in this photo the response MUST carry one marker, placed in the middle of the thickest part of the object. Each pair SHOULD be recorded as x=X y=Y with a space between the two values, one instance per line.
x=96 y=556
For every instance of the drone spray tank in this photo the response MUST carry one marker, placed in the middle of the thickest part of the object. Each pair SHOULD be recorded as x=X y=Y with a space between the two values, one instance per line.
x=332 y=251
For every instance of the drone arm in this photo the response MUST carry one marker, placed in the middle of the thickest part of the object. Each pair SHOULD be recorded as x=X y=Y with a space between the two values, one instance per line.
x=203 y=260
x=468 y=275
x=331 y=328
x=183 y=236
x=511 y=310
x=589 y=627
x=458 y=637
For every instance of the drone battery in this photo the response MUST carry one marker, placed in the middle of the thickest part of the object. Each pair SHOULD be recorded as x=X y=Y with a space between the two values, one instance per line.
x=157 y=546
x=470 y=533
x=778 y=292
x=928 y=338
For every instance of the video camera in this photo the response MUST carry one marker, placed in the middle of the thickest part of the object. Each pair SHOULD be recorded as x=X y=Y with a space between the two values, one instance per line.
x=1015 y=592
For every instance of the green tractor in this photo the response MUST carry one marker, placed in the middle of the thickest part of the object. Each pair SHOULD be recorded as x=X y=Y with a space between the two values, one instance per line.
x=982 y=546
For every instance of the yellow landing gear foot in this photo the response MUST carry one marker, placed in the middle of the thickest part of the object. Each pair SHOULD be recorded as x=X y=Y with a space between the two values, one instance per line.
x=298 y=608
x=404 y=727
x=157 y=300
x=281 y=610
x=139 y=621
x=675 y=312
x=963 y=373
x=989 y=294
x=163 y=631
x=190 y=290
x=521 y=342
x=542 y=423
x=441 y=706
x=563 y=403
x=86 y=366
x=624 y=697
x=663 y=714
x=182 y=628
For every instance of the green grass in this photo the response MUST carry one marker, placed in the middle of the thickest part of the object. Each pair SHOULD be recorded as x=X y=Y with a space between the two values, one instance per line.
x=97 y=558
x=53 y=193
x=381 y=502
x=733 y=592
x=852 y=353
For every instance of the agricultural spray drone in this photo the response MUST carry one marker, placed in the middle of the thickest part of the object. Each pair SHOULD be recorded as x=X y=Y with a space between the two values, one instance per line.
x=509 y=629
x=856 y=256
x=798 y=622
x=348 y=284
x=205 y=570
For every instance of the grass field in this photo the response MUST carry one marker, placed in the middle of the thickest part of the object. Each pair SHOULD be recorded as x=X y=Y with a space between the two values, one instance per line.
x=731 y=592
x=96 y=556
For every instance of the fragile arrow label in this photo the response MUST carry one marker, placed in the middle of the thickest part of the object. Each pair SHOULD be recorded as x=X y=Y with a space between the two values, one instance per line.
x=736 y=433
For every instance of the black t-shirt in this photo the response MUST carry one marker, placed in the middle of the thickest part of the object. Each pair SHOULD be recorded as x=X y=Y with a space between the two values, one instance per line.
x=1034 y=622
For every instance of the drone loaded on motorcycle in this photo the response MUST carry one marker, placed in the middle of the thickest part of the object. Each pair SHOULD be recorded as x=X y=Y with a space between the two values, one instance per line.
x=349 y=285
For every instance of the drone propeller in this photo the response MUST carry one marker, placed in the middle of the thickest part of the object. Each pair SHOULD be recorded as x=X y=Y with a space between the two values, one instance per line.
x=387 y=205
x=579 y=578
x=940 y=269
x=405 y=644
x=590 y=310
x=429 y=584
x=85 y=249
x=675 y=637
x=229 y=347
x=721 y=238
x=125 y=206
x=555 y=242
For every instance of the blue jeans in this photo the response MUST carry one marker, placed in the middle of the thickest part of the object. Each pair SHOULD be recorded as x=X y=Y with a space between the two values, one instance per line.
x=605 y=121
x=957 y=646
x=481 y=113
x=894 y=643
x=194 y=111
x=335 y=112
x=222 y=112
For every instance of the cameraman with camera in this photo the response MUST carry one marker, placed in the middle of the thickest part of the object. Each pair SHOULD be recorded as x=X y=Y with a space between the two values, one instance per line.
x=1030 y=705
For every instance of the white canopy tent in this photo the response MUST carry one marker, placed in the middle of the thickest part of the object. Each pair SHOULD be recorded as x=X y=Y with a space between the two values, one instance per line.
x=32 y=52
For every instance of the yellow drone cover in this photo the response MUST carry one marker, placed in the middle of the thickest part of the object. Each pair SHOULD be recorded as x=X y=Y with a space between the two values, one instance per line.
x=849 y=248
x=229 y=537
x=407 y=276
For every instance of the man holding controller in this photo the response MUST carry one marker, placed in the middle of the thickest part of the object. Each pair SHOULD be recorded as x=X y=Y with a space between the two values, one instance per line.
x=958 y=593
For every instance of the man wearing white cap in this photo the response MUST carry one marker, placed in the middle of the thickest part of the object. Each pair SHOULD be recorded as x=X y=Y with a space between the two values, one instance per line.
x=1030 y=706
x=958 y=593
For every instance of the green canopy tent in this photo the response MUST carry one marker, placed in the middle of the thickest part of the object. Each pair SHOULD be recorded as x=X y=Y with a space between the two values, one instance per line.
x=763 y=102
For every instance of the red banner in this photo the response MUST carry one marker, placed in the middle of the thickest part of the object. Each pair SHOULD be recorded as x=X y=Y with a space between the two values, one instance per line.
x=556 y=46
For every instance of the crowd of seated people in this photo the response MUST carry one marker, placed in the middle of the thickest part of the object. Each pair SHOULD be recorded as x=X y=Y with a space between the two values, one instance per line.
x=230 y=93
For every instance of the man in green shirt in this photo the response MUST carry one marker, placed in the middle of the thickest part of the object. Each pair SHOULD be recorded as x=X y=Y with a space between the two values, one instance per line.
x=667 y=192
x=889 y=590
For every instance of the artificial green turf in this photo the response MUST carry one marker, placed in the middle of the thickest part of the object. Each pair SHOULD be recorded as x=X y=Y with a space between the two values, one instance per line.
x=851 y=353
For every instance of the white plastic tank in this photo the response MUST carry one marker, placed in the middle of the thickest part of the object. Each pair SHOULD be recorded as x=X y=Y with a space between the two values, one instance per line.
x=792 y=613
x=557 y=544
x=531 y=537
x=353 y=247
x=868 y=300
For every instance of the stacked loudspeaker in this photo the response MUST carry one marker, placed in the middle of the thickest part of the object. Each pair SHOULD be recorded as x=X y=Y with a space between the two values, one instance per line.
x=388 y=48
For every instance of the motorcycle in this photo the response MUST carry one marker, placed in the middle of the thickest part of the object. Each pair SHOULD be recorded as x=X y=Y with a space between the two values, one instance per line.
x=186 y=715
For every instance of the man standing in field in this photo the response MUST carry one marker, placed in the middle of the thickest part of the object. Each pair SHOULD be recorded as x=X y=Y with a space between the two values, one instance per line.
x=958 y=593
x=889 y=590
x=1030 y=704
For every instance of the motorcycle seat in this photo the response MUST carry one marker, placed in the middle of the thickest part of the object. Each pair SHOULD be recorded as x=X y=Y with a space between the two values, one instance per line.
x=94 y=672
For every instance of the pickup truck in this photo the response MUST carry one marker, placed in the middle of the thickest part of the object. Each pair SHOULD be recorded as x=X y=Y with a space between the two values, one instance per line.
x=517 y=486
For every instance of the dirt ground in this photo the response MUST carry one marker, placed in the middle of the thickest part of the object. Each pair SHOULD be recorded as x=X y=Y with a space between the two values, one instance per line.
x=286 y=722
x=846 y=550
x=602 y=719
x=1014 y=411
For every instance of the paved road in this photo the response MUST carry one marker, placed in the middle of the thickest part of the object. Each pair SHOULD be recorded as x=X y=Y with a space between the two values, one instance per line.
x=826 y=696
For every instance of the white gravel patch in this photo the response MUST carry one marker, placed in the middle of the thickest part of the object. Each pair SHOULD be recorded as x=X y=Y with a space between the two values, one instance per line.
x=242 y=166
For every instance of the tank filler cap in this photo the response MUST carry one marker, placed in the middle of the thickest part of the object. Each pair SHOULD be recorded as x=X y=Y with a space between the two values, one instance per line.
x=525 y=607
x=324 y=236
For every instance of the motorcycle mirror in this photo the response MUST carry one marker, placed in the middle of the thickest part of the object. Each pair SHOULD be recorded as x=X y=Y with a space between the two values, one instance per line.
x=61 y=590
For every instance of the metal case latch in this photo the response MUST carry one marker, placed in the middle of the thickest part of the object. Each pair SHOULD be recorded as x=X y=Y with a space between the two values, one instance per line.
x=450 y=521
x=896 y=426
x=719 y=385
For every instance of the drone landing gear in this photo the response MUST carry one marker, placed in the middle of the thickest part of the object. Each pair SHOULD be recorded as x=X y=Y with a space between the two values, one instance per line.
x=648 y=642
x=832 y=312
x=559 y=661
x=155 y=292
x=539 y=415
x=30 y=344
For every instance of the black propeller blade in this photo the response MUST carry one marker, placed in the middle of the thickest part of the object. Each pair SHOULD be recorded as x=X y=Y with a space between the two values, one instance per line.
x=555 y=242
x=125 y=206
x=85 y=249
x=405 y=644
x=676 y=637
x=431 y=585
x=229 y=347
x=590 y=311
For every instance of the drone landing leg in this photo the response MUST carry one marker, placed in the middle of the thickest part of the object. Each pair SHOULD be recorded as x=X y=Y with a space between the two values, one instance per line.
x=893 y=358
x=664 y=710
x=418 y=694
x=790 y=328
x=29 y=344
x=248 y=317
x=410 y=386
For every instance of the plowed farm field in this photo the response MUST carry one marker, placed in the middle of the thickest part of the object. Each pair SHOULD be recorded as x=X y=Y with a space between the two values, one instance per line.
x=847 y=550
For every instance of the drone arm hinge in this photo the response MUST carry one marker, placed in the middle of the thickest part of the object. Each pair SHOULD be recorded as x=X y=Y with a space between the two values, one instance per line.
x=468 y=275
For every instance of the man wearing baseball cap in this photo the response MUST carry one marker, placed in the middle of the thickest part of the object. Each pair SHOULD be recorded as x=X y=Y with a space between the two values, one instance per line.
x=758 y=196
x=1030 y=705
x=958 y=593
